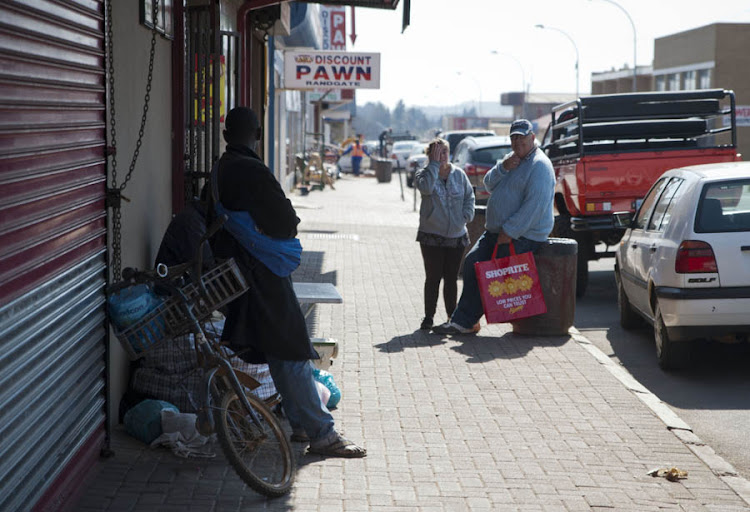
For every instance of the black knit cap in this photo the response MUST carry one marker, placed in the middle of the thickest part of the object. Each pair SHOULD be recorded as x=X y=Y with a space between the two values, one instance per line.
x=241 y=122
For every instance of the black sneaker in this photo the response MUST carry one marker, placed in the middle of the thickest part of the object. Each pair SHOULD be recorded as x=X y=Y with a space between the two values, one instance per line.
x=426 y=324
x=454 y=328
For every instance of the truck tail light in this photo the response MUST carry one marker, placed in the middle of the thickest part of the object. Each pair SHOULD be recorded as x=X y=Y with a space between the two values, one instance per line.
x=695 y=257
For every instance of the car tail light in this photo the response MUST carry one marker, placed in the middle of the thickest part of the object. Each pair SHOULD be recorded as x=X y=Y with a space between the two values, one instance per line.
x=470 y=170
x=695 y=257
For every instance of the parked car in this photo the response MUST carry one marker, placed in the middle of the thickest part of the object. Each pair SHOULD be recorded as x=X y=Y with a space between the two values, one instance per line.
x=400 y=152
x=684 y=262
x=476 y=156
x=345 y=163
x=455 y=136
x=416 y=161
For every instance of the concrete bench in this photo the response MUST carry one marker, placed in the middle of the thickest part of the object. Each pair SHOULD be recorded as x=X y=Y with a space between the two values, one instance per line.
x=309 y=294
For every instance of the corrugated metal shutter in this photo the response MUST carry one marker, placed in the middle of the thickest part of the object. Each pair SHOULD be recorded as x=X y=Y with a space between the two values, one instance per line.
x=52 y=240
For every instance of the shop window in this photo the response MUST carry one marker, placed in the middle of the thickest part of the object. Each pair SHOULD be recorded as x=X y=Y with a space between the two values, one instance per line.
x=689 y=80
x=673 y=82
x=164 y=16
x=661 y=84
x=704 y=79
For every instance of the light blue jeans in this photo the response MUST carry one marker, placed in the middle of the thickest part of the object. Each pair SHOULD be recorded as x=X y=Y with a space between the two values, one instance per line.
x=295 y=383
x=469 y=309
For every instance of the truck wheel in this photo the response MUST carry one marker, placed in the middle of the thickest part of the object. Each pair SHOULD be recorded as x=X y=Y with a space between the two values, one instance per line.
x=671 y=355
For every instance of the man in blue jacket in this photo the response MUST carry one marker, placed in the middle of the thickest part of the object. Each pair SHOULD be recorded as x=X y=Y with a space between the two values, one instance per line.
x=519 y=210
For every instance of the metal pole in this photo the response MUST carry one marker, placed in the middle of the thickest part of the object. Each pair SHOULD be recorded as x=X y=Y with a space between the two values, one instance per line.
x=479 y=87
x=575 y=46
x=635 y=45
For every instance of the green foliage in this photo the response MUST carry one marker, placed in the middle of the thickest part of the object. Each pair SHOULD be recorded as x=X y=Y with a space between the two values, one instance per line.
x=373 y=118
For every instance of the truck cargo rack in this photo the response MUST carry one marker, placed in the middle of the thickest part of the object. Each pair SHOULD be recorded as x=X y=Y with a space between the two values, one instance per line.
x=650 y=121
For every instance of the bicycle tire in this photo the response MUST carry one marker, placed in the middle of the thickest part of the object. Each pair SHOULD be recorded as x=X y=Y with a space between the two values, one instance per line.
x=261 y=455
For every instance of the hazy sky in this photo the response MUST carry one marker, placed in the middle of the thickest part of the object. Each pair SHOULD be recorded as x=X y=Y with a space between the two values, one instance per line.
x=448 y=37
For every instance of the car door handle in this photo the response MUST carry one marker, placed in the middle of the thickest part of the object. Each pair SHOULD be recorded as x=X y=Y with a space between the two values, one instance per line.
x=745 y=248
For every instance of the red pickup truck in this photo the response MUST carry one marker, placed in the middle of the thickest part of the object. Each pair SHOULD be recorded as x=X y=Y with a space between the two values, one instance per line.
x=608 y=150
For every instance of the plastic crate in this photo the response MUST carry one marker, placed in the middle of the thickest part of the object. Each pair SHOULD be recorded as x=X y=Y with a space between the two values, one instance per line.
x=223 y=284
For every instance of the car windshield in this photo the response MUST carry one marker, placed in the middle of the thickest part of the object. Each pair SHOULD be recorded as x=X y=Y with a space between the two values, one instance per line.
x=490 y=155
x=724 y=207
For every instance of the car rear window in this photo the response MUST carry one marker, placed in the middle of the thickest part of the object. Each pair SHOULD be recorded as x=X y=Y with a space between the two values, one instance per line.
x=724 y=207
x=490 y=155
x=454 y=138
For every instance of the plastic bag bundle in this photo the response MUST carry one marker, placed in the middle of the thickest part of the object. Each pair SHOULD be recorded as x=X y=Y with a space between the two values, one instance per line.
x=326 y=379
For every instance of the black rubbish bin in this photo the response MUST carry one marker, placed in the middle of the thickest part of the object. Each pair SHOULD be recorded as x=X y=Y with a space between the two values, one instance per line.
x=556 y=262
x=383 y=169
x=475 y=229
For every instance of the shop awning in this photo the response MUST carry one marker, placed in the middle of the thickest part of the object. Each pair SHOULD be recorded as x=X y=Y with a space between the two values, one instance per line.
x=375 y=4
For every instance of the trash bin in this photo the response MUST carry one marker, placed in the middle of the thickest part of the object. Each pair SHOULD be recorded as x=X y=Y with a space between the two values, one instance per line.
x=475 y=229
x=383 y=169
x=556 y=262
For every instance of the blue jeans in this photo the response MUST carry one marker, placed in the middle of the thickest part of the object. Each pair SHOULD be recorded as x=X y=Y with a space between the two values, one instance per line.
x=302 y=405
x=469 y=309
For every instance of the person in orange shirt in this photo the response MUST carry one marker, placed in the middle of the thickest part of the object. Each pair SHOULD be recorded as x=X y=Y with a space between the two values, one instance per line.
x=358 y=152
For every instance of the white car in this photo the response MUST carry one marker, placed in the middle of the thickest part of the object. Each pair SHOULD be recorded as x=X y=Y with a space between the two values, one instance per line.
x=400 y=152
x=684 y=262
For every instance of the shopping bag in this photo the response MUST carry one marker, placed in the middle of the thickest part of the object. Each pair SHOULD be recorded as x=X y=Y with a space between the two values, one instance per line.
x=509 y=287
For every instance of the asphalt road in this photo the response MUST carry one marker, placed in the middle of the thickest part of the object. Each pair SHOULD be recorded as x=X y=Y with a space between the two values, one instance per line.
x=713 y=396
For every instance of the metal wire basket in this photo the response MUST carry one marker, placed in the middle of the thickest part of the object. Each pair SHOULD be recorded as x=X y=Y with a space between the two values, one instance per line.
x=223 y=284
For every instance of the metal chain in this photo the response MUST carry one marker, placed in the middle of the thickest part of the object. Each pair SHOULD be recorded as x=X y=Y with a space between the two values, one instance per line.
x=114 y=191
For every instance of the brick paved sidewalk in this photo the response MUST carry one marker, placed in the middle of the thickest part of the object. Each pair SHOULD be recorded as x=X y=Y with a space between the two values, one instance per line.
x=491 y=422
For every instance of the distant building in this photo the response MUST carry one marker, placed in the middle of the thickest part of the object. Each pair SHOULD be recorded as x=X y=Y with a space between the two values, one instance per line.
x=713 y=56
x=621 y=80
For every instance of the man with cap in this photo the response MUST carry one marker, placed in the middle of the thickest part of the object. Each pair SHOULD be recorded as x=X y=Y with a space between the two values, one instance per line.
x=266 y=323
x=520 y=209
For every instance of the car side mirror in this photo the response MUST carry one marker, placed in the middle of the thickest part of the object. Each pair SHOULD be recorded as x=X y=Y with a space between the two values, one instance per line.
x=622 y=220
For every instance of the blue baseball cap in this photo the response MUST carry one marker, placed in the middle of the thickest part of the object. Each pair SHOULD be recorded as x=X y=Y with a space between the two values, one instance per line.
x=521 y=127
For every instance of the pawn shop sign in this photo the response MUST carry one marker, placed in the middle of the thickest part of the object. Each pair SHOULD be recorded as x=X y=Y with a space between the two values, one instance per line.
x=308 y=69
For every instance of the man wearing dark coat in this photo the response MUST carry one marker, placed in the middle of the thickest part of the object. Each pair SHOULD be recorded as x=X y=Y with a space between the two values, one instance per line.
x=266 y=324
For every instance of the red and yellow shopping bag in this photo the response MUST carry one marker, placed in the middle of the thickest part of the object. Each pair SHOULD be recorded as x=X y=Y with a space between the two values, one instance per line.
x=509 y=287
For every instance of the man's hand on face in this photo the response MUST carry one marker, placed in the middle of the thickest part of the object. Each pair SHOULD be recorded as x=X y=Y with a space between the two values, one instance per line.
x=511 y=161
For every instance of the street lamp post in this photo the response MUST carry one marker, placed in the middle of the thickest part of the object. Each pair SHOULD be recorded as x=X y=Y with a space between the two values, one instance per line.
x=523 y=76
x=479 y=88
x=635 y=45
x=574 y=46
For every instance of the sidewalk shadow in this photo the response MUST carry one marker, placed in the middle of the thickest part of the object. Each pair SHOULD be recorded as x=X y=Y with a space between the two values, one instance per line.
x=481 y=349
x=417 y=339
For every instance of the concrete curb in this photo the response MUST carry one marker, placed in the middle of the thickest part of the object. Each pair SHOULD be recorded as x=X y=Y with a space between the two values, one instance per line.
x=720 y=467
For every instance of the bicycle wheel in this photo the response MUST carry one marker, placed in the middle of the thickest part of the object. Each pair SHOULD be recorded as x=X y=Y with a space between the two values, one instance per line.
x=259 y=453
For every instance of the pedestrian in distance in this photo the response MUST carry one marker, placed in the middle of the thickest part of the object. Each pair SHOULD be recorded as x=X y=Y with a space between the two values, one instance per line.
x=358 y=152
x=447 y=206
x=266 y=323
x=519 y=210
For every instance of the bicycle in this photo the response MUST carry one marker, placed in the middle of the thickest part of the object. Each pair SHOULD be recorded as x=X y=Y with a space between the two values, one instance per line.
x=248 y=430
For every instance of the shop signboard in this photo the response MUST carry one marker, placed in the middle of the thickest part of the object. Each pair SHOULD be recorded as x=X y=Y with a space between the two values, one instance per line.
x=333 y=24
x=310 y=69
